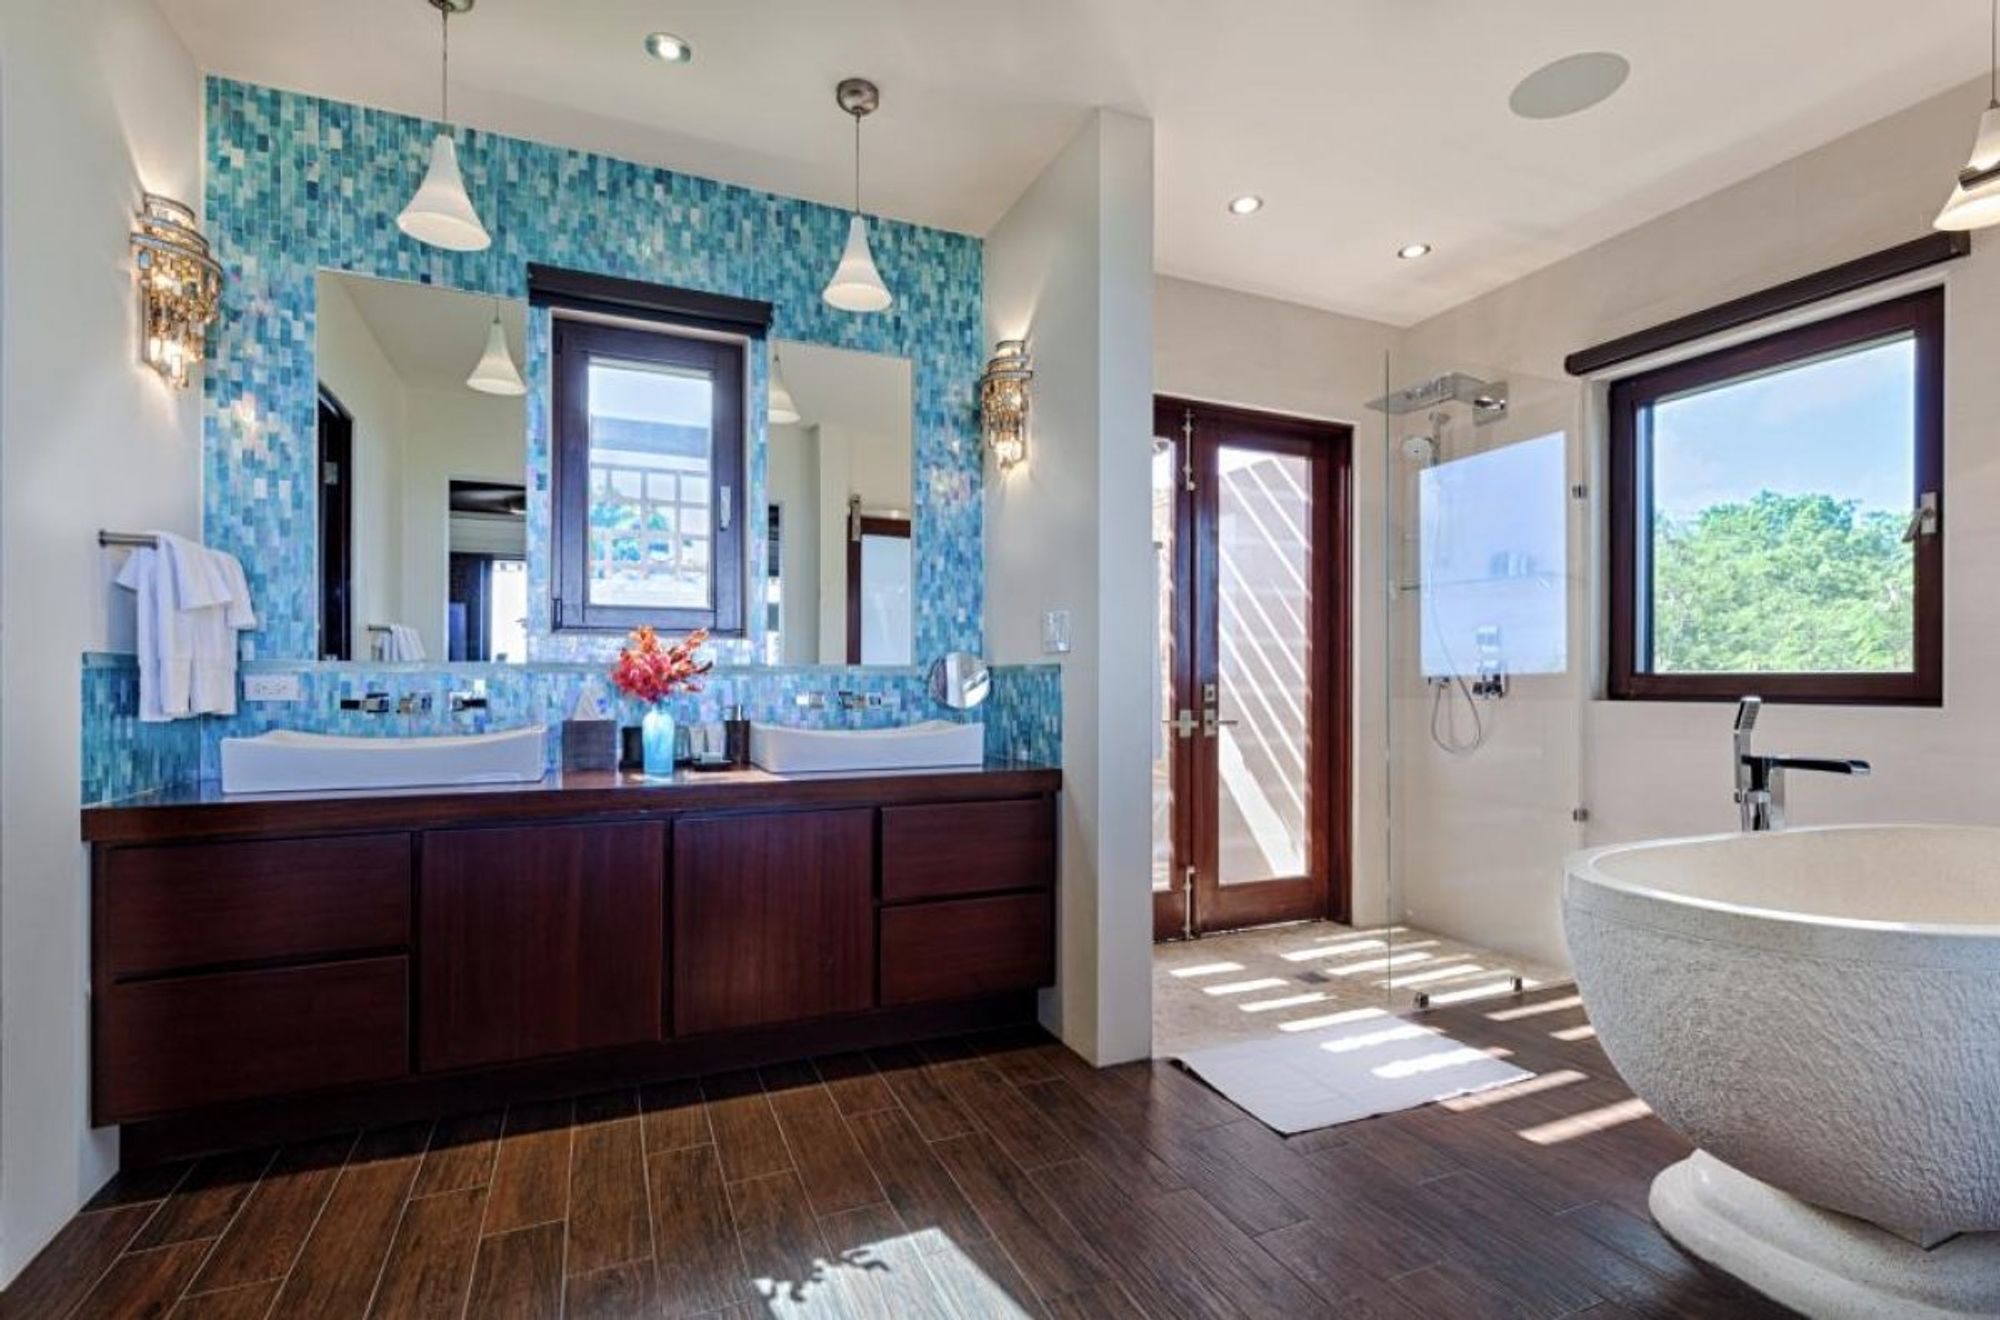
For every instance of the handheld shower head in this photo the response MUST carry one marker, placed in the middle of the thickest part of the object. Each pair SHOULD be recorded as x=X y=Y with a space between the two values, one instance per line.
x=1420 y=449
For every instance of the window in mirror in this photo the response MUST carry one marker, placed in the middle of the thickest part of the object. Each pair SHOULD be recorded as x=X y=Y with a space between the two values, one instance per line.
x=649 y=441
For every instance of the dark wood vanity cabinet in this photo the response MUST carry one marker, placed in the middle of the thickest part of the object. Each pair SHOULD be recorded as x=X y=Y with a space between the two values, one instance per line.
x=366 y=956
x=538 y=940
x=774 y=918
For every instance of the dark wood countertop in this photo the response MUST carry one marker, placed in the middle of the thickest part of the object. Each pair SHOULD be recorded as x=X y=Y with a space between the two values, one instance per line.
x=202 y=811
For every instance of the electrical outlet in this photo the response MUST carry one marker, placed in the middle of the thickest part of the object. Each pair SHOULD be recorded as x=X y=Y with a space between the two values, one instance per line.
x=1055 y=632
x=272 y=687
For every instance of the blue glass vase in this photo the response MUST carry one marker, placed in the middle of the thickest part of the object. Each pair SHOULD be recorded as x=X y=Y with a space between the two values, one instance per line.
x=656 y=738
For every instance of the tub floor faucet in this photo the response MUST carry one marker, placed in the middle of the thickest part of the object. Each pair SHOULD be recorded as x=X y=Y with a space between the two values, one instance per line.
x=1760 y=780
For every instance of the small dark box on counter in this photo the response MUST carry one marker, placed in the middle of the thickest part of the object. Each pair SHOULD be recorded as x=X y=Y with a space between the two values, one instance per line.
x=590 y=745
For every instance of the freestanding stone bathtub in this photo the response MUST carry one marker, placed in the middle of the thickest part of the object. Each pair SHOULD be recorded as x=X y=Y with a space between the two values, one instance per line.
x=1818 y=1011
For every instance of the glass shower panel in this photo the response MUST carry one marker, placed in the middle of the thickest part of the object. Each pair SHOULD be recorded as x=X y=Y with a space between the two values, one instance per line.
x=1484 y=547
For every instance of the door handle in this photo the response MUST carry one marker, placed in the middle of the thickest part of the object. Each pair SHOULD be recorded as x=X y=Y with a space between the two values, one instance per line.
x=1210 y=723
x=1182 y=724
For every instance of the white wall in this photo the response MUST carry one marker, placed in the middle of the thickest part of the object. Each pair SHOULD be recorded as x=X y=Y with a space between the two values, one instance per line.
x=1649 y=770
x=355 y=370
x=1221 y=346
x=98 y=101
x=792 y=472
x=1070 y=269
x=449 y=434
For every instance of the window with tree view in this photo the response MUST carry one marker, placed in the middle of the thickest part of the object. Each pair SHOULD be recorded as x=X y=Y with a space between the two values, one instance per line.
x=1776 y=513
x=649 y=478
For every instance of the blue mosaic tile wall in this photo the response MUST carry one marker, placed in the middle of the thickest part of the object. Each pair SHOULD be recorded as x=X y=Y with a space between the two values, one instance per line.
x=121 y=756
x=124 y=758
x=297 y=183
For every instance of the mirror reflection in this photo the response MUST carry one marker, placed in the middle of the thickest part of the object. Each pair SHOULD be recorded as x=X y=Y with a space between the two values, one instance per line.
x=423 y=496
x=423 y=503
x=838 y=487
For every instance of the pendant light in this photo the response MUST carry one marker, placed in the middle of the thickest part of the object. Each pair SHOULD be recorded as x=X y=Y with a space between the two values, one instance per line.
x=441 y=214
x=783 y=411
x=856 y=285
x=496 y=372
x=1975 y=201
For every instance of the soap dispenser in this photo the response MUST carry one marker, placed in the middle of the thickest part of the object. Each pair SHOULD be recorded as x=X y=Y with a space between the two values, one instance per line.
x=736 y=736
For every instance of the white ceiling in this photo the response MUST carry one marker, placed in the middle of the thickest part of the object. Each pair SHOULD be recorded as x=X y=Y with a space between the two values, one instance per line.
x=1365 y=124
x=431 y=336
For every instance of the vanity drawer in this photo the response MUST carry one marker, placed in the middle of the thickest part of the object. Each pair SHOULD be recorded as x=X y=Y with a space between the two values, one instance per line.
x=195 y=1040
x=967 y=848
x=967 y=947
x=200 y=905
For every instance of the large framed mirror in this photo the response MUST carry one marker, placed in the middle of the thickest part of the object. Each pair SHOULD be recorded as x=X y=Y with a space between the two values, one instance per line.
x=423 y=528
x=423 y=497
x=838 y=496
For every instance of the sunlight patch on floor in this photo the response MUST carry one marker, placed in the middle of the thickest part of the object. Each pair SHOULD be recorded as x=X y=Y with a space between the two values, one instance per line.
x=1206 y=969
x=1535 y=1010
x=1243 y=987
x=1333 y=1019
x=1500 y=1095
x=1560 y=1130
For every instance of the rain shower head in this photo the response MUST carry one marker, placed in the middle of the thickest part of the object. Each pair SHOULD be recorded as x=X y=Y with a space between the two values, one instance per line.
x=1488 y=400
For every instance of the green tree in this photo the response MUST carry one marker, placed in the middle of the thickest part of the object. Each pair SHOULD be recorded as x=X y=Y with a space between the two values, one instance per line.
x=1782 y=584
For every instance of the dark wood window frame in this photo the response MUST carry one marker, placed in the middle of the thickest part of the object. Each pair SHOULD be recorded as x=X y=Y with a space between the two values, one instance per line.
x=1631 y=677
x=576 y=342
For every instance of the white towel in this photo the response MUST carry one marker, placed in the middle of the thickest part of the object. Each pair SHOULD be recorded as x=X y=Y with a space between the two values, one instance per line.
x=192 y=601
x=400 y=644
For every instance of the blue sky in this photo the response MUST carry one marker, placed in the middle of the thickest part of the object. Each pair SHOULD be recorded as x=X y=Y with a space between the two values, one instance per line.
x=1842 y=426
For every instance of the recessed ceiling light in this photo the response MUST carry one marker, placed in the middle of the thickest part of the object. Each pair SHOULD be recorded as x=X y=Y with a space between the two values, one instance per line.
x=668 y=48
x=1411 y=251
x=1247 y=204
x=1570 y=86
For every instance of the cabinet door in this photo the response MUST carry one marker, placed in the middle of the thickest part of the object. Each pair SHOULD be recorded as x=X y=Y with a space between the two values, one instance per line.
x=773 y=918
x=536 y=941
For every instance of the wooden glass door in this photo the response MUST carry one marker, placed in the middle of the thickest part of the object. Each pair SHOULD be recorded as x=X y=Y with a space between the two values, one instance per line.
x=1250 y=767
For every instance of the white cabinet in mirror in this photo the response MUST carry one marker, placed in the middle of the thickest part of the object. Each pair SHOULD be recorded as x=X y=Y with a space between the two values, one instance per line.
x=423 y=495
x=839 y=584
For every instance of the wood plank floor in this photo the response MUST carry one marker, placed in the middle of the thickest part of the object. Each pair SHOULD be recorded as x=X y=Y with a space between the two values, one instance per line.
x=977 y=1177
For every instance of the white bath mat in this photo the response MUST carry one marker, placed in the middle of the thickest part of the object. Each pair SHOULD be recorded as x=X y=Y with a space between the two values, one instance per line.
x=1357 y=1070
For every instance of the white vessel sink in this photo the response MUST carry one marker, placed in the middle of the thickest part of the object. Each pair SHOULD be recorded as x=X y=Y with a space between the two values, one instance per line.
x=284 y=761
x=931 y=744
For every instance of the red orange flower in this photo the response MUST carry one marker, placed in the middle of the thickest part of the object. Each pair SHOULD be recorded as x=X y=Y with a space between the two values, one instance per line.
x=650 y=671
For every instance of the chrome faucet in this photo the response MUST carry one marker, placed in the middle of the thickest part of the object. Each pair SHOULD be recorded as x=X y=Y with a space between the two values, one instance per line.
x=1760 y=780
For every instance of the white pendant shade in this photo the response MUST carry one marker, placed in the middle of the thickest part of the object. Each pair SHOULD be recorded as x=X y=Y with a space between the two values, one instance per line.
x=856 y=285
x=783 y=411
x=1978 y=207
x=496 y=372
x=441 y=214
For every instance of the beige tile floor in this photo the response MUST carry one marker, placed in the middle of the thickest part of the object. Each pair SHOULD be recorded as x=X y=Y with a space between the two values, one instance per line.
x=1311 y=975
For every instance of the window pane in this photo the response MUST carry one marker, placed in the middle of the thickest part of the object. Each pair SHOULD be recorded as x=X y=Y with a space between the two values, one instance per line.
x=651 y=452
x=1263 y=595
x=1779 y=503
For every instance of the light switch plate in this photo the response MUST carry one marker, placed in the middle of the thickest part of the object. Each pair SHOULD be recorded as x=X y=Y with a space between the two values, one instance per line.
x=272 y=687
x=1055 y=632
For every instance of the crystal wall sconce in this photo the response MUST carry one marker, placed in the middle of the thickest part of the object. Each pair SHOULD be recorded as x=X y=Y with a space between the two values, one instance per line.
x=180 y=288
x=1003 y=402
